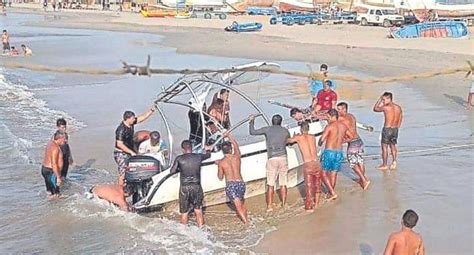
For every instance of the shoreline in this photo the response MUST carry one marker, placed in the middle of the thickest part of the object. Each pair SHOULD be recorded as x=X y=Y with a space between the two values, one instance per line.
x=372 y=61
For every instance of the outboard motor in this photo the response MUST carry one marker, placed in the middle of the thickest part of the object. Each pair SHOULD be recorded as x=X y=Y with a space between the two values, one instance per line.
x=138 y=175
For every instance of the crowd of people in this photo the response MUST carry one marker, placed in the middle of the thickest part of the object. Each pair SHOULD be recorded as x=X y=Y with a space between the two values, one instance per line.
x=11 y=50
x=340 y=128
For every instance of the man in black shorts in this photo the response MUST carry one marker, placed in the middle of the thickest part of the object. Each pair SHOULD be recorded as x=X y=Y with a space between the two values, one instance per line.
x=190 y=190
x=53 y=163
x=124 y=146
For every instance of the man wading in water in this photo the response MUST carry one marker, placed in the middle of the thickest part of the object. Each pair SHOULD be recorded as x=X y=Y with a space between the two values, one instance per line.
x=393 y=120
x=229 y=167
x=53 y=163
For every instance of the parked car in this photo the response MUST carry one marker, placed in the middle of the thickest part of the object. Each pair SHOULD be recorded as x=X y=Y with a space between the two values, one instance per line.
x=380 y=16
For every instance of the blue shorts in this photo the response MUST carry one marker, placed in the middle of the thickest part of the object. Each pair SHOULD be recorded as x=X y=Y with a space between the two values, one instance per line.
x=235 y=189
x=331 y=160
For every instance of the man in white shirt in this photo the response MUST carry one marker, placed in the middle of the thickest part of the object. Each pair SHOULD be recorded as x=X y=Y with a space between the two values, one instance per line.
x=154 y=147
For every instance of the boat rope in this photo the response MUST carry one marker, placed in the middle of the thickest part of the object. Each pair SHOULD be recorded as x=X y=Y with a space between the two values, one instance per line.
x=147 y=70
x=429 y=150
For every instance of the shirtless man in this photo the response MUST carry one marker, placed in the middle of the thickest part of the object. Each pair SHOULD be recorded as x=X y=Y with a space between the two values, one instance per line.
x=393 y=120
x=229 y=167
x=355 y=146
x=190 y=191
x=5 y=41
x=406 y=241
x=53 y=163
x=61 y=125
x=224 y=95
x=333 y=135
x=311 y=168
x=114 y=193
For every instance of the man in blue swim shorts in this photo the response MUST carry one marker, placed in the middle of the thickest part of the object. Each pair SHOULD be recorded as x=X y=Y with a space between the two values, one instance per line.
x=333 y=137
x=229 y=167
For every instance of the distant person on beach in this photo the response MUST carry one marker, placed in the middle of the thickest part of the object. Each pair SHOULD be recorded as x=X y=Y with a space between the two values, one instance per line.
x=317 y=83
x=276 y=138
x=114 y=193
x=393 y=120
x=124 y=144
x=5 y=42
x=325 y=100
x=190 y=191
x=355 y=145
x=61 y=125
x=224 y=95
x=471 y=91
x=26 y=50
x=53 y=163
x=14 y=51
x=333 y=136
x=229 y=167
x=406 y=241
x=311 y=168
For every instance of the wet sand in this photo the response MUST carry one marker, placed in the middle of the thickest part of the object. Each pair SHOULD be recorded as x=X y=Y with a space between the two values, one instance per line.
x=358 y=221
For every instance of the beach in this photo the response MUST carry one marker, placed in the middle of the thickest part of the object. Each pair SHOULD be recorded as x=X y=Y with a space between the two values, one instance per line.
x=438 y=185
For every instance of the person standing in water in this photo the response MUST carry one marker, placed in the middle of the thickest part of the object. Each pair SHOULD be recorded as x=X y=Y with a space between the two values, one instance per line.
x=61 y=125
x=311 y=168
x=190 y=191
x=5 y=42
x=53 y=163
x=124 y=144
x=355 y=146
x=229 y=167
x=332 y=156
x=406 y=241
x=276 y=138
x=393 y=120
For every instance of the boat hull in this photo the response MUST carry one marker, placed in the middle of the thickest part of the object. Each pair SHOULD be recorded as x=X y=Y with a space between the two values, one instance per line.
x=452 y=29
x=165 y=190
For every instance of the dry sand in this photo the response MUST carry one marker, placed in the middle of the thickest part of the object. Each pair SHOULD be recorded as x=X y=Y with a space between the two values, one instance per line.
x=362 y=49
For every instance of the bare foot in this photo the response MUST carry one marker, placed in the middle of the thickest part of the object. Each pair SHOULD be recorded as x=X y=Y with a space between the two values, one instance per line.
x=331 y=198
x=393 y=166
x=269 y=209
x=382 y=167
x=366 y=185
x=311 y=210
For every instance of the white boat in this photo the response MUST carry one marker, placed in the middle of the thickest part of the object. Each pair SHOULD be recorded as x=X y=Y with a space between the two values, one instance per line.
x=161 y=191
x=451 y=9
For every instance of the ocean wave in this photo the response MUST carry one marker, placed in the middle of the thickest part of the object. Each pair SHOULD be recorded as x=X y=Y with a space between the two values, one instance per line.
x=23 y=113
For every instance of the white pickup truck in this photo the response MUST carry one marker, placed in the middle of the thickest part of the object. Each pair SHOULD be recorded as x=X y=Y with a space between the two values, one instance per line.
x=380 y=16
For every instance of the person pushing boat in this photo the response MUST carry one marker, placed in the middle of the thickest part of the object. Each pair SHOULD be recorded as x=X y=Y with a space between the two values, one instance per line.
x=355 y=145
x=311 y=168
x=276 y=138
x=229 y=167
x=191 y=194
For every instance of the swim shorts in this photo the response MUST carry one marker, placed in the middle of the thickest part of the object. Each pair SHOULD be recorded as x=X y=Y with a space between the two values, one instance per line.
x=355 y=148
x=121 y=159
x=6 y=46
x=331 y=160
x=49 y=180
x=235 y=189
x=190 y=197
x=389 y=135
x=277 y=167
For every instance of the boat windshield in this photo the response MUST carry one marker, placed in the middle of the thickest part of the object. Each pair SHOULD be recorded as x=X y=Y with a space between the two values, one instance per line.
x=389 y=12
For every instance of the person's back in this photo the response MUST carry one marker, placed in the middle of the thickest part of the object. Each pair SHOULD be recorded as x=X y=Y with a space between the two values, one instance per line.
x=406 y=242
x=189 y=165
x=337 y=131
x=393 y=114
x=307 y=144
x=231 y=167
